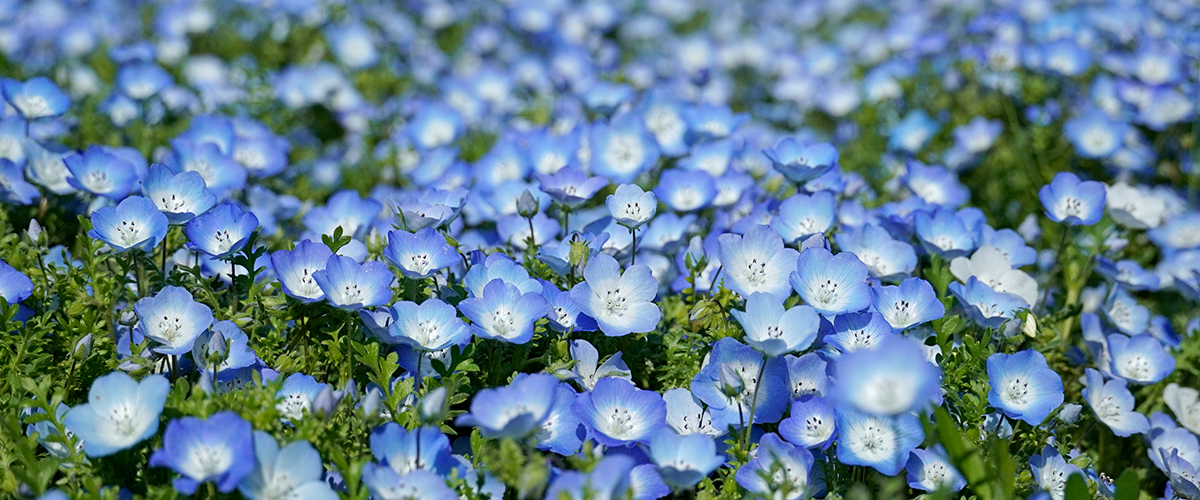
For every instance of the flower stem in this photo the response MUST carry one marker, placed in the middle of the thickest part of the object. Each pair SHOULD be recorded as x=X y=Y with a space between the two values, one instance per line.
x=753 y=403
x=633 y=253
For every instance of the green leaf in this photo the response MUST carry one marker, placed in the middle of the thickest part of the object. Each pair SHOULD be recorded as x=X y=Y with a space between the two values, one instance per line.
x=1127 y=486
x=1076 y=488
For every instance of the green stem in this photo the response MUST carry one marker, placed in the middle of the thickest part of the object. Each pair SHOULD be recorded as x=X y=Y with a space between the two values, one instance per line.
x=753 y=404
x=633 y=253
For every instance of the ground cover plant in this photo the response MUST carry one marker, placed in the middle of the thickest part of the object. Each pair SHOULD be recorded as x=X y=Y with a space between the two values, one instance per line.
x=560 y=249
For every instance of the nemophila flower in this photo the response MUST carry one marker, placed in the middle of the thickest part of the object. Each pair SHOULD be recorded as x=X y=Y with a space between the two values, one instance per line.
x=891 y=379
x=1140 y=359
x=911 y=303
x=101 y=172
x=386 y=484
x=683 y=461
x=430 y=208
x=564 y=314
x=985 y=306
x=877 y=441
x=502 y=312
x=219 y=449
x=120 y=413
x=419 y=254
x=978 y=135
x=646 y=483
x=295 y=269
x=37 y=98
x=774 y=331
x=831 y=284
x=886 y=258
x=1184 y=402
x=44 y=164
x=570 y=186
x=621 y=303
x=550 y=153
x=707 y=121
x=945 y=233
x=802 y=215
x=684 y=190
x=515 y=410
x=935 y=184
x=515 y=230
x=1134 y=207
x=13 y=188
x=352 y=286
x=666 y=233
x=1010 y=244
x=630 y=206
x=432 y=325
x=991 y=266
x=619 y=414
x=1181 y=475
x=586 y=370
x=1023 y=386
x=1071 y=201
x=1178 y=232
x=858 y=331
x=729 y=358
x=911 y=133
x=757 y=262
x=776 y=466
x=807 y=374
x=611 y=478
x=173 y=319
x=222 y=231
x=181 y=197
x=225 y=342
x=498 y=266
x=1165 y=437
x=352 y=45
x=404 y=451
x=561 y=431
x=686 y=414
x=1051 y=471
x=142 y=80
x=1114 y=405
x=713 y=157
x=930 y=470
x=344 y=209
x=295 y=471
x=222 y=174
x=1124 y=311
x=1094 y=134
x=1127 y=273
x=297 y=395
x=15 y=286
x=622 y=148
x=799 y=162
x=811 y=423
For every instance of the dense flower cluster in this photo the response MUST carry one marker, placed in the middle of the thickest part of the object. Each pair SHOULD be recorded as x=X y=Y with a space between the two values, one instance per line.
x=587 y=249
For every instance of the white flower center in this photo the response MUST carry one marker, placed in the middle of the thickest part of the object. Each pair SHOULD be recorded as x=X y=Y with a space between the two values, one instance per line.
x=625 y=152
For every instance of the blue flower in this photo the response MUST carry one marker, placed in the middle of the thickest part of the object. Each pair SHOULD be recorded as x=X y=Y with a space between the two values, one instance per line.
x=349 y=285
x=622 y=148
x=515 y=230
x=630 y=206
x=776 y=466
x=1124 y=311
x=120 y=413
x=985 y=306
x=14 y=189
x=561 y=431
x=295 y=269
x=686 y=414
x=708 y=121
x=420 y=254
x=180 y=196
x=685 y=190
x=621 y=303
x=945 y=233
x=435 y=125
x=746 y=365
x=912 y=303
x=222 y=174
x=228 y=343
x=503 y=312
x=811 y=424
x=15 y=286
x=430 y=208
x=757 y=262
x=586 y=370
x=432 y=325
x=1094 y=134
x=611 y=478
x=404 y=451
x=173 y=319
x=134 y=223
x=344 y=209
x=570 y=186
x=801 y=163
x=1140 y=359
x=645 y=483
x=295 y=470
x=37 y=98
x=101 y=172
x=1071 y=201
x=807 y=374
x=831 y=284
x=858 y=331
x=802 y=215
x=930 y=470
x=1127 y=273
x=912 y=132
x=297 y=395
x=45 y=166
x=774 y=331
x=886 y=258
x=880 y=442
x=684 y=461
x=618 y=413
x=1023 y=386
x=219 y=448
x=142 y=80
x=564 y=314
x=498 y=266
x=890 y=379
x=516 y=410
x=1114 y=405
x=1051 y=471
x=222 y=231
x=386 y=484
x=551 y=154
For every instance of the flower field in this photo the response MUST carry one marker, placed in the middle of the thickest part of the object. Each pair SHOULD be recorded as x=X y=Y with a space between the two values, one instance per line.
x=593 y=249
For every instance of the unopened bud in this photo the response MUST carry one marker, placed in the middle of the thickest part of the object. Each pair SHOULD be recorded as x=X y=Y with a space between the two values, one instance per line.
x=433 y=406
x=731 y=383
x=34 y=232
x=83 y=347
x=527 y=205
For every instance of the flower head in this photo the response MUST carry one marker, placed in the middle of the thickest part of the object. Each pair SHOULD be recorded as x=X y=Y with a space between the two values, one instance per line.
x=283 y=473
x=120 y=413
x=1023 y=386
x=831 y=284
x=630 y=206
x=757 y=262
x=775 y=331
x=350 y=285
x=173 y=319
x=219 y=449
x=619 y=413
x=621 y=303
x=222 y=231
x=1071 y=201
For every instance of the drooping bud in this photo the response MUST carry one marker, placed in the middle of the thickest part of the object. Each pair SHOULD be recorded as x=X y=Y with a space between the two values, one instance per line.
x=527 y=205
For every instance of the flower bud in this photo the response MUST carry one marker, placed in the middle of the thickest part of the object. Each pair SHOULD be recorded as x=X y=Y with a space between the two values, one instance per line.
x=34 y=232
x=433 y=406
x=527 y=205
x=369 y=407
x=325 y=403
x=731 y=383
x=83 y=347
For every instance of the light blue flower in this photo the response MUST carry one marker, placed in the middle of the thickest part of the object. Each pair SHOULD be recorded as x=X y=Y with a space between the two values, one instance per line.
x=226 y=342
x=15 y=286
x=1051 y=471
x=514 y=411
x=985 y=306
x=222 y=231
x=142 y=80
x=913 y=132
x=811 y=423
x=1140 y=359
x=296 y=396
x=911 y=303
x=432 y=325
x=1094 y=134
x=515 y=230
x=563 y=313
x=1023 y=386
x=102 y=172
x=683 y=461
x=404 y=451
x=621 y=303
x=345 y=209
x=1125 y=312
x=799 y=162
x=173 y=319
x=502 y=312
x=586 y=371
x=134 y=223
x=37 y=98
x=686 y=414
x=1114 y=405
x=630 y=206
x=777 y=466
x=501 y=267
x=945 y=233
x=930 y=470
x=622 y=148
x=386 y=484
x=807 y=374
x=1071 y=201
x=219 y=449
x=858 y=331
x=611 y=478
x=352 y=286
x=802 y=215
x=891 y=379
x=831 y=284
x=181 y=197
x=294 y=470
x=570 y=186
x=420 y=254
x=561 y=431
x=295 y=269
x=886 y=258
x=746 y=366
x=222 y=174
x=618 y=413
x=120 y=413
x=774 y=331
x=757 y=263
x=685 y=190
x=879 y=442
x=13 y=187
